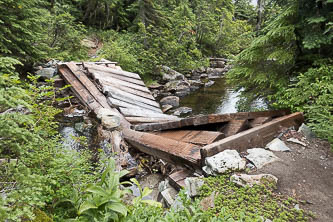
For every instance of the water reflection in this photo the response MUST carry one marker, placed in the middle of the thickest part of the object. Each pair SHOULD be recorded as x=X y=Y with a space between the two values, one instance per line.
x=219 y=98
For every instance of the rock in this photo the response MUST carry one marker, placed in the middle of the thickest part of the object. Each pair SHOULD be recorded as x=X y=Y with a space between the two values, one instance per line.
x=155 y=86
x=46 y=73
x=250 y=180
x=209 y=83
x=169 y=196
x=294 y=140
x=74 y=112
x=277 y=145
x=88 y=43
x=170 y=100
x=192 y=185
x=163 y=185
x=208 y=202
x=203 y=76
x=260 y=157
x=179 y=87
x=224 y=161
x=52 y=63
x=166 y=108
x=297 y=207
x=110 y=120
x=306 y=131
x=169 y=74
x=182 y=110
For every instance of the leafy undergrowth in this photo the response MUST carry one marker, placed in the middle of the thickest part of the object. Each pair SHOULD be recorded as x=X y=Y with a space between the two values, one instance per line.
x=250 y=203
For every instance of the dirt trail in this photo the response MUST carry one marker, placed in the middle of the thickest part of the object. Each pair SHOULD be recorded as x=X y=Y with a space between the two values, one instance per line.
x=306 y=174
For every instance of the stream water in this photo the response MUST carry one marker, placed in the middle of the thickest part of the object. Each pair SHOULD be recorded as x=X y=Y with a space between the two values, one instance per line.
x=219 y=98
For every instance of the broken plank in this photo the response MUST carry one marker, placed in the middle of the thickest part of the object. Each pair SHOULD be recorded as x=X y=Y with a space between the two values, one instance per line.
x=209 y=119
x=113 y=91
x=110 y=70
x=79 y=90
x=259 y=121
x=130 y=90
x=118 y=103
x=255 y=137
x=177 y=179
x=103 y=75
x=136 y=120
x=192 y=136
x=235 y=126
x=138 y=112
x=167 y=149
x=110 y=81
x=88 y=84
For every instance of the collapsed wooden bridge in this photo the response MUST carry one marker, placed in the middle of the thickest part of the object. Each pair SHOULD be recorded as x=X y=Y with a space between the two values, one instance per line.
x=186 y=141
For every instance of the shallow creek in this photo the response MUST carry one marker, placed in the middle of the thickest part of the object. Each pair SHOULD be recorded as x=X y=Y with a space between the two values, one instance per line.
x=217 y=99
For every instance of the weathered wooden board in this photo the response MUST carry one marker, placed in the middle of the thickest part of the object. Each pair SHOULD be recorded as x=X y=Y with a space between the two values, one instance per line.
x=105 y=75
x=116 y=93
x=79 y=89
x=86 y=91
x=177 y=179
x=192 y=136
x=138 y=120
x=255 y=137
x=111 y=70
x=88 y=84
x=259 y=121
x=235 y=126
x=164 y=148
x=129 y=90
x=118 y=103
x=112 y=81
x=138 y=112
x=208 y=119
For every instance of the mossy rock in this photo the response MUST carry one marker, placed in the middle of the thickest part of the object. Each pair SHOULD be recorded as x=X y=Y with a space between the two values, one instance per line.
x=41 y=216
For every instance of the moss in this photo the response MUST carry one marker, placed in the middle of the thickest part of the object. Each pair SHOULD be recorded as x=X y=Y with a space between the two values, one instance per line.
x=259 y=200
x=41 y=216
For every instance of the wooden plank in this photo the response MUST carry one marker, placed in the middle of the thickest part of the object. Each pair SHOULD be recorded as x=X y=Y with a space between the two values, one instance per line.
x=129 y=90
x=78 y=88
x=114 y=71
x=111 y=81
x=104 y=75
x=88 y=84
x=116 y=93
x=118 y=103
x=138 y=112
x=259 y=121
x=136 y=120
x=234 y=127
x=167 y=149
x=255 y=137
x=177 y=179
x=85 y=95
x=208 y=119
x=192 y=136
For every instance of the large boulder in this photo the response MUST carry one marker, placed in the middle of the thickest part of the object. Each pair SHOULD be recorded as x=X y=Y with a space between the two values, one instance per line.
x=223 y=162
x=46 y=73
x=182 y=111
x=110 y=120
x=193 y=185
x=260 y=157
x=170 y=100
x=178 y=87
x=169 y=74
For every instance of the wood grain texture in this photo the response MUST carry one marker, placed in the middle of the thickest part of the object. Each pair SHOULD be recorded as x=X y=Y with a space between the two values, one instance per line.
x=255 y=137
x=167 y=149
x=208 y=119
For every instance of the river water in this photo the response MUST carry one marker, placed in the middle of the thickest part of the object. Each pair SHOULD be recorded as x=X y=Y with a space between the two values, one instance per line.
x=219 y=98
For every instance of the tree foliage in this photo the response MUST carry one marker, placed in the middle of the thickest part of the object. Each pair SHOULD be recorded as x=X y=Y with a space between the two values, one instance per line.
x=290 y=62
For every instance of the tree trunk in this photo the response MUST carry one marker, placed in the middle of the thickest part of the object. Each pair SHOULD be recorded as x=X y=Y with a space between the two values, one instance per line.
x=260 y=5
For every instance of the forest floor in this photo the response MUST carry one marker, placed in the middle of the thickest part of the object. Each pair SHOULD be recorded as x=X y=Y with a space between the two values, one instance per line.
x=306 y=174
